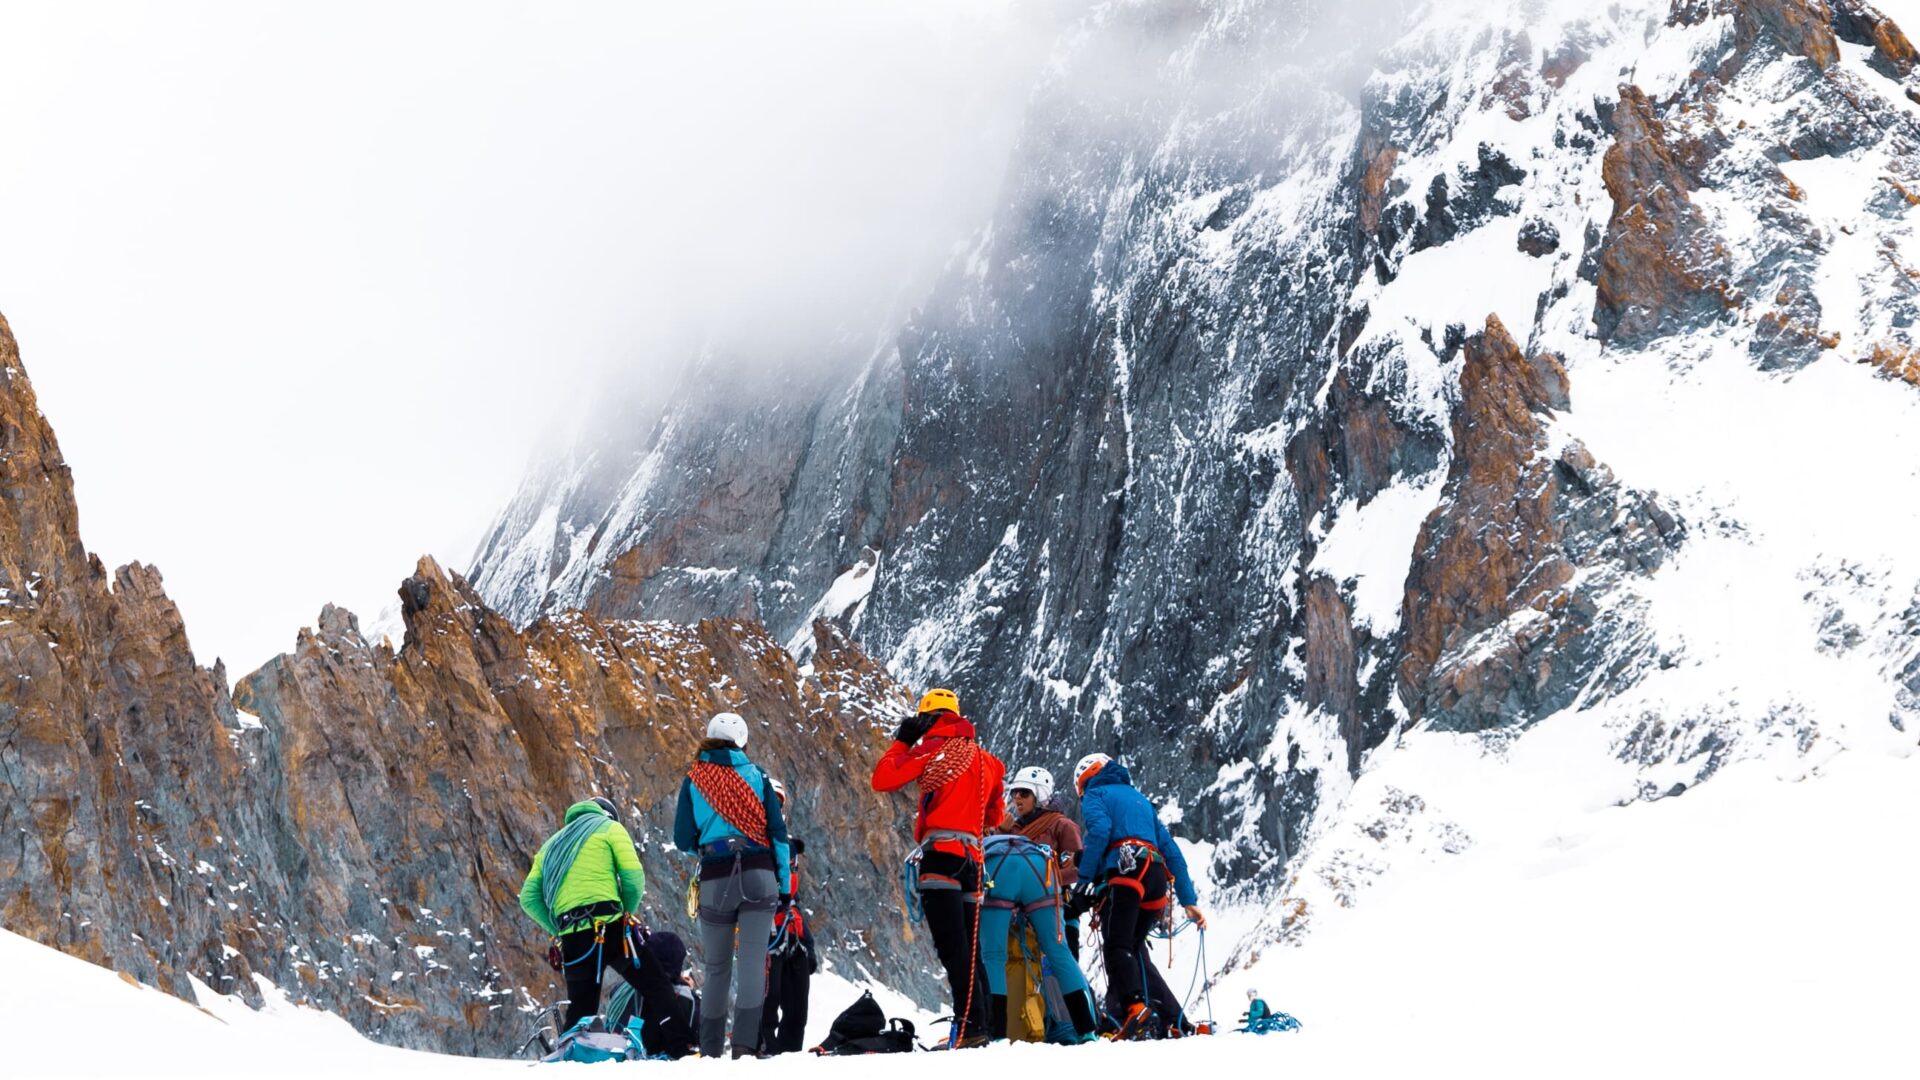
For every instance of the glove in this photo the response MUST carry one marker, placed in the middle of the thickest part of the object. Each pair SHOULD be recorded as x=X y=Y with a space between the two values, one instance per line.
x=1084 y=892
x=913 y=728
x=786 y=901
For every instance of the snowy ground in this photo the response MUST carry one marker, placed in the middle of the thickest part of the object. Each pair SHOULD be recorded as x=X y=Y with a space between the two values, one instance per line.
x=1763 y=923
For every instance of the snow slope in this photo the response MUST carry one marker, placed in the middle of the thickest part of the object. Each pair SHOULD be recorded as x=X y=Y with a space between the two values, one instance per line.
x=1762 y=925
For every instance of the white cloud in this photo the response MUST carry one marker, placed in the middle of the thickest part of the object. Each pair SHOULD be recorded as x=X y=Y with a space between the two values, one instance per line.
x=300 y=286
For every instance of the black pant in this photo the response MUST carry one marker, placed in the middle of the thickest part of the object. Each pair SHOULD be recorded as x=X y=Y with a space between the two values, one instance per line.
x=649 y=983
x=1160 y=999
x=953 y=919
x=783 y=1026
x=1073 y=911
x=1127 y=927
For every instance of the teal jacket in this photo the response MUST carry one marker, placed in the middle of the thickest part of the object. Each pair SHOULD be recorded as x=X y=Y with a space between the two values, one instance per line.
x=697 y=824
x=606 y=868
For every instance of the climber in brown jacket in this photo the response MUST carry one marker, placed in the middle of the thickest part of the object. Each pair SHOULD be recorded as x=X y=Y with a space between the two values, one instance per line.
x=1033 y=814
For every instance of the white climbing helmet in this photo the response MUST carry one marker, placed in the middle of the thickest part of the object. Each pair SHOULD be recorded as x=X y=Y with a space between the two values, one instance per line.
x=730 y=726
x=1035 y=779
x=1084 y=771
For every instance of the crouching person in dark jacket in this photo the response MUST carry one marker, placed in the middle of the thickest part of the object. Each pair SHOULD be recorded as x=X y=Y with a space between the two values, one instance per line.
x=668 y=1033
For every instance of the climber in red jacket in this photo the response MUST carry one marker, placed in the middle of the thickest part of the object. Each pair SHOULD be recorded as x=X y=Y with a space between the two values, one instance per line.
x=960 y=799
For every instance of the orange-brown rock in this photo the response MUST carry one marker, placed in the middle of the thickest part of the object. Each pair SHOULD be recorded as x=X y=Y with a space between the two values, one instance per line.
x=1497 y=627
x=484 y=734
x=359 y=832
x=101 y=704
x=1797 y=27
x=1558 y=66
x=1897 y=361
x=1660 y=270
x=1332 y=659
x=1379 y=157
x=1356 y=451
x=1512 y=88
x=1863 y=24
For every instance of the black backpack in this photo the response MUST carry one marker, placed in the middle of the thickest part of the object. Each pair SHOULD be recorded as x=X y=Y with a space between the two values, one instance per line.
x=864 y=1029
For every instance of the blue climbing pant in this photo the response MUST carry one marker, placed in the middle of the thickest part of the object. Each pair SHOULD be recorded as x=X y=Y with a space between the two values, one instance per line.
x=1015 y=883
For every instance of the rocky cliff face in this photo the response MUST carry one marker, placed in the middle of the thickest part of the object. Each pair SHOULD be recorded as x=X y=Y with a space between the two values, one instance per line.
x=1210 y=453
x=356 y=829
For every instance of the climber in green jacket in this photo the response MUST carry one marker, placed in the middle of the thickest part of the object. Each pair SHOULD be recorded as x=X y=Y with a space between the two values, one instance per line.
x=584 y=889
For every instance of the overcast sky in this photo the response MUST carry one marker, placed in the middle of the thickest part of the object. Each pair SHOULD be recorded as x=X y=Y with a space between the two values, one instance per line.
x=301 y=285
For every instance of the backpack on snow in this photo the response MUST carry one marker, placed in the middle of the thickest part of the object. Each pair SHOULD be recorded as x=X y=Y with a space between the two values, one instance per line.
x=863 y=1028
x=593 y=1040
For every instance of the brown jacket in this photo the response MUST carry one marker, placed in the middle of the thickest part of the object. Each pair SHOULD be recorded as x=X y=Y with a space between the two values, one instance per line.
x=1057 y=831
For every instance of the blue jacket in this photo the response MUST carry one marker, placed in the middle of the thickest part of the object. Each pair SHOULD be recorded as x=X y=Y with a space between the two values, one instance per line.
x=697 y=824
x=1114 y=811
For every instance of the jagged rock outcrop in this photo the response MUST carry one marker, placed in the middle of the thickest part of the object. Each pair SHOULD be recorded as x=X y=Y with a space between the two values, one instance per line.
x=1661 y=269
x=1862 y=24
x=1498 y=630
x=357 y=829
x=483 y=733
x=107 y=728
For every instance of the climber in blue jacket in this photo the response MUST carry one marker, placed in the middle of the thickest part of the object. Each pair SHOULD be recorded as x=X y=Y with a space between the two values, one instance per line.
x=1130 y=854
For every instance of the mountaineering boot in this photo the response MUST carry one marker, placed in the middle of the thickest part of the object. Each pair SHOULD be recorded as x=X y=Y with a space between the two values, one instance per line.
x=1135 y=1025
x=969 y=1038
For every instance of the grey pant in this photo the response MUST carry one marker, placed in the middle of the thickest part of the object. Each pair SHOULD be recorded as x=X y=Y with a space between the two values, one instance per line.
x=736 y=922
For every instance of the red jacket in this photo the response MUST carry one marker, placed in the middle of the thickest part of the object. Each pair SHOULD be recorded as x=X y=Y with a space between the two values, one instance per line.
x=970 y=803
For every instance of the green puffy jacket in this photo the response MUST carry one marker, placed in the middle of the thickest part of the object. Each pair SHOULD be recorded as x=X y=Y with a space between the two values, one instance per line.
x=607 y=868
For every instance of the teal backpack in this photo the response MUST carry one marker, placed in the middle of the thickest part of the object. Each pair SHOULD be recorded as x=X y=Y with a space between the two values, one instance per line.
x=590 y=1040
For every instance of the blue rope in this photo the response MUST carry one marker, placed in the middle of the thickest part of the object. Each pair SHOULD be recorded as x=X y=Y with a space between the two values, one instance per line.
x=583 y=956
x=617 y=1004
x=558 y=853
x=1207 y=987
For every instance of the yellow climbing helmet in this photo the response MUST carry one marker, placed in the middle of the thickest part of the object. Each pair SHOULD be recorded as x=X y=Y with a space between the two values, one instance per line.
x=937 y=700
